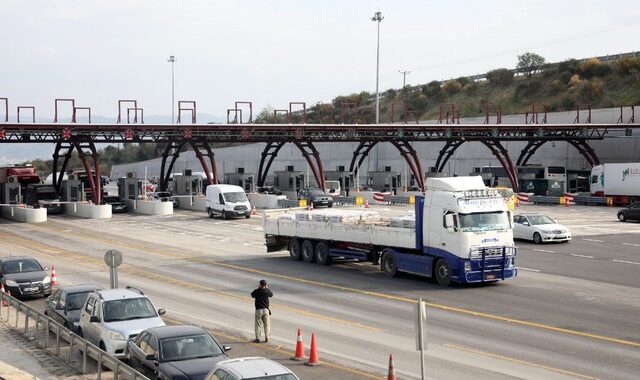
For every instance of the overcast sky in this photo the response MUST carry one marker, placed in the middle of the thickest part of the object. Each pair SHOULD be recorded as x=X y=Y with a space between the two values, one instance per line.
x=274 y=52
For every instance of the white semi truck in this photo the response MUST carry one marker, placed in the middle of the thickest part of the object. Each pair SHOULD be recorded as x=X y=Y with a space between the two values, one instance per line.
x=620 y=181
x=461 y=232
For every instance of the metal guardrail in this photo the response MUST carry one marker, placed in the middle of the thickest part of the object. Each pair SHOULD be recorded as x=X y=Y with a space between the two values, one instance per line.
x=589 y=200
x=545 y=199
x=397 y=199
x=344 y=200
x=41 y=329
x=288 y=203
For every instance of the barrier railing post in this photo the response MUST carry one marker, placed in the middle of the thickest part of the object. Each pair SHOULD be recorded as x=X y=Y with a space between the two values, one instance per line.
x=17 y=314
x=84 y=358
x=46 y=336
x=116 y=370
x=37 y=326
x=70 y=348
x=99 y=374
x=57 y=340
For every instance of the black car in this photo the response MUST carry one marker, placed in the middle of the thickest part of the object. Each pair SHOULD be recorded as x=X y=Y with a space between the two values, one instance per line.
x=175 y=352
x=630 y=213
x=117 y=204
x=165 y=196
x=315 y=197
x=23 y=276
x=65 y=303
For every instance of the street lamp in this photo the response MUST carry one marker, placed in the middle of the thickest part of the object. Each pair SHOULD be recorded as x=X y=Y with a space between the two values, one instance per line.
x=377 y=17
x=173 y=60
x=404 y=77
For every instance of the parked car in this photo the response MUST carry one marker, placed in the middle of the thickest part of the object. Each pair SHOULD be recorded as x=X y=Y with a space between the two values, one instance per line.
x=315 y=197
x=117 y=204
x=165 y=196
x=65 y=303
x=175 y=352
x=632 y=212
x=250 y=368
x=227 y=201
x=539 y=228
x=23 y=276
x=111 y=317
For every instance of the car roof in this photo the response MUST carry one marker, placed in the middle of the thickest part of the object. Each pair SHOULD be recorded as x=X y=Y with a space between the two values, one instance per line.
x=116 y=294
x=17 y=258
x=251 y=367
x=163 y=332
x=80 y=288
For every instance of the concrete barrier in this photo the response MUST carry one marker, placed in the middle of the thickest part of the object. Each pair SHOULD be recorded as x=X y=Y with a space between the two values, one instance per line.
x=194 y=203
x=154 y=207
x=88 y=210
x=24 y=214
x=264 y=201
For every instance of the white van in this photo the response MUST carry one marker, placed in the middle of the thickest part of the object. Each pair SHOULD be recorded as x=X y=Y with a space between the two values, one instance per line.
x=227 y=201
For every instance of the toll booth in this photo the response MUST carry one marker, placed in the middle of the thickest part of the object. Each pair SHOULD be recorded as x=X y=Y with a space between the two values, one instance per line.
x=288 y=180
x=385 y=180
x=242 y=179
x=11 y=193
x=72 y=190
x=344 y=177
x=128 y=187
x=189 y=183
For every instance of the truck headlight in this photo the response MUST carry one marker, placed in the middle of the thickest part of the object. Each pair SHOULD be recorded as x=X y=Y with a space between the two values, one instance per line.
x=11 y=283
x=467 y=266
x=46 y=280
x=116 y=335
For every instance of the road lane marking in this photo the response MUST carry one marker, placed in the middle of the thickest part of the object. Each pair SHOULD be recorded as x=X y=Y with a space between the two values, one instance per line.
x=529 y=270
x=626 y=262
x=519 y=361
x=584 y=256
x=542 y=326
x=631 y=245
x=543 y=250
x=594 y=240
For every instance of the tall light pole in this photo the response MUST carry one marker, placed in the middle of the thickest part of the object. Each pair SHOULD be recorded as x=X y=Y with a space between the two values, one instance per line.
x=404 y=77
x=172 y=59
x=377 y=17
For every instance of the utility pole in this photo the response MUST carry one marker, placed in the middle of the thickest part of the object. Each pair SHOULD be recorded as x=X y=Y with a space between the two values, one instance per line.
x=404 y=77
x=377 y=17
x=172 y=59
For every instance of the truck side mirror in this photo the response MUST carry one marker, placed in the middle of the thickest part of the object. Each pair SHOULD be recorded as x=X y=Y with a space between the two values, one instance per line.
x=449 y=222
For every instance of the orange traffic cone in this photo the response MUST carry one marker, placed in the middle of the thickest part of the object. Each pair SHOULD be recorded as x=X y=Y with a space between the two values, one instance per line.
x=366 y=203
x=299 y=348
x=313 y=354
x=392 y=370
x=253 y=211
x=54 y=277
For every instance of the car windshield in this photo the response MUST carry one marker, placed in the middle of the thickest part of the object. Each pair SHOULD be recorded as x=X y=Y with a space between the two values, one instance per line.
x=286 y=376
x=188 y=347
x=163 y=194
x=235 y=197
x=484 y=221
x=539 y=219
x=111 y=199
x=21 y=266
x=75 y=301
x=316 y=192
x=127 y=309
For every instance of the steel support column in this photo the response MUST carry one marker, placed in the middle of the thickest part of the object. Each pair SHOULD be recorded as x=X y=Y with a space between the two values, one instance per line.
x=503 y=156
x=62 y=150
x=165 y=175
x=95 y=180
x=411 y=156
x=446 y=152
x=312 y=156
x=528 y=151
x=587 y=151
x=202 y=149
x=359 y=155
x=268 y=155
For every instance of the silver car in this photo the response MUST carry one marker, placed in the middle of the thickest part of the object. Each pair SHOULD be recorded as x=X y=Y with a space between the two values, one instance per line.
x=253 y=368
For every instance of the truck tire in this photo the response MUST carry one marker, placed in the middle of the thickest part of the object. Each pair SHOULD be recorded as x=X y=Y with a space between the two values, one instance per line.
x=308 y=251
x=389 y=264
x=442 y=272
x=210 y=212
x=322 y=254
x=294 y=249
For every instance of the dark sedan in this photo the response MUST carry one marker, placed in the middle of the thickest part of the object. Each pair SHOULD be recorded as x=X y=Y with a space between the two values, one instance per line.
x=175 y=352
x=117 y=204
x=630 y=213
x=315 y=197
x=65 y=303
x=23 y=276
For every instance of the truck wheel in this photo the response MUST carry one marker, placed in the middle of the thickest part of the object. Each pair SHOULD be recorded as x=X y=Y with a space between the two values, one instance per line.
x=224 y=215
x=443 y=272
x=308 y=253
x=210 y=212
x=322 y=254
x=389 y=265
x=537 y=238
x=621 y=217
x=294 y=249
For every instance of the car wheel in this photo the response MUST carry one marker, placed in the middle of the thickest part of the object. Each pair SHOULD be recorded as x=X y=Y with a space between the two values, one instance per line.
x=389 y=265
x=224 y=215
x=330 y=205
x=443 y=272
x=247 y=216
x=322 y=254
x=308 y=251
x=537 y=238
x=294 y=249
x=210 y=211
x=621 y=217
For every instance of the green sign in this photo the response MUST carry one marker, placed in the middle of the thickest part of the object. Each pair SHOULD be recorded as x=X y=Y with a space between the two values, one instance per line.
x=448 y=133
x=400 y=133
x=628 y=132
x=494 y=132
x=540 y=133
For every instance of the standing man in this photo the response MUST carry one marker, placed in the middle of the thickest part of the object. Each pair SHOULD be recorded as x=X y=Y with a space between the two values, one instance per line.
x=261 y=295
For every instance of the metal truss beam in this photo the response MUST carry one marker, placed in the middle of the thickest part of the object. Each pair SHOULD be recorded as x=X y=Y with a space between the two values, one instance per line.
x=587 y=151
x=446 y=152
x=269 y=153
x=411 y=156
x=528 y=151
x=62 y=151
x=503 y=156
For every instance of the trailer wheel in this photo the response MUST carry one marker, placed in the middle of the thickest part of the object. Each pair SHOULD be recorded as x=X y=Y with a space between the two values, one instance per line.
x=294 y=249
x=308 y=251
x=389 y=265
x=322 y=254
x=443 y=272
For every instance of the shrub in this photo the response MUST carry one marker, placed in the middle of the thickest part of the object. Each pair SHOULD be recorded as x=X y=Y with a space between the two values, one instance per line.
x=590 y=90
x=452 y=87
x=575 y=80
x=556 y=87
x=569 y=66
x=500 y=77
x=568 y=102
x=527 y=88
x=432 y=89
x=592 y=67
x=628 y=65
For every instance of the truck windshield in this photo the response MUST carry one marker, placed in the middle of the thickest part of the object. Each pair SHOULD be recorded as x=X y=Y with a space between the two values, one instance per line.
x=484 y=221
x=235 y=197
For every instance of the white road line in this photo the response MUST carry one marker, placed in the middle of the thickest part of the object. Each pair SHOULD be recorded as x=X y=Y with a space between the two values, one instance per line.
x=584 y=256
x=529 y=270
x=626 y=262
x=594 y=240
x=544 y=250
x=631 y=245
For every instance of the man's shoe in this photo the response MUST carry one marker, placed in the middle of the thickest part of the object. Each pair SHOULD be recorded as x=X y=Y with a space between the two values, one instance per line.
x=266 y=340
x=256 y=341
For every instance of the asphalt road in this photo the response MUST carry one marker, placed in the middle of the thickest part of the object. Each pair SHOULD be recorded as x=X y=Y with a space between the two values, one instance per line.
x=571 y=313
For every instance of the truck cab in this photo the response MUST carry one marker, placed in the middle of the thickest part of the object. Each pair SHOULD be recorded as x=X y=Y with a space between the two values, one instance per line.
x=227 y=201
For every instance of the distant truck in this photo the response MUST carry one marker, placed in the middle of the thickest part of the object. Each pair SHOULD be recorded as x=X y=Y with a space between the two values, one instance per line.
x=43 y=195
x=619 y=181
x=24 y=174
x=462 y=232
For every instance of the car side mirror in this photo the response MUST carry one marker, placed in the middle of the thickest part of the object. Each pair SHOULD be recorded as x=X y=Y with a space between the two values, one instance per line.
x=162 y=311
x=151 y=357
x=525 y=223
x=94 y=319
x=226 y=348
x=59 y=306
x=45 y=269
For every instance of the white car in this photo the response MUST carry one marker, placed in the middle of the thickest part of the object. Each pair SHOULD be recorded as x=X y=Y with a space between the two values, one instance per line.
x=254 y=368
x=539 y=228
